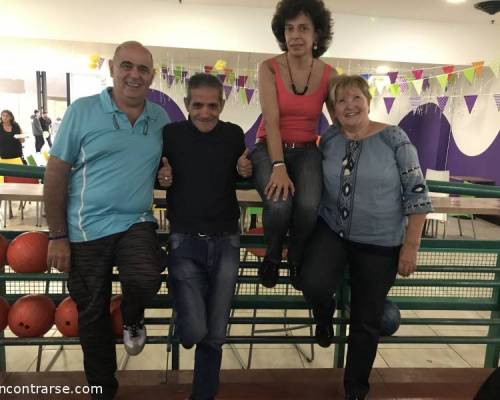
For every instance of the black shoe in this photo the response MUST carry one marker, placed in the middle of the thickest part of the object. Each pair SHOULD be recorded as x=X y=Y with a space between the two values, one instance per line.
x=324 y=334
x=353 y=397
x=295 y=276
x=268 y=273
x=187 y=346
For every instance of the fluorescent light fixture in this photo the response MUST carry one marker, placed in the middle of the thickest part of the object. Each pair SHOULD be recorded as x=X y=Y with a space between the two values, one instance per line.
x=456 y=1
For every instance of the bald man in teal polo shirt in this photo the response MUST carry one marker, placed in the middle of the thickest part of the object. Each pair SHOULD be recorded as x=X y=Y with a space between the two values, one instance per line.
x=98 y=195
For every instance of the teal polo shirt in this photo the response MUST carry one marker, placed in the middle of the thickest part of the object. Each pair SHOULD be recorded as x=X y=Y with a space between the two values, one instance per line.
x=113 y=163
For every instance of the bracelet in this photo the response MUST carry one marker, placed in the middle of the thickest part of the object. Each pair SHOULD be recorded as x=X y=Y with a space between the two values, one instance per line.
x=277 y=163
x=58 y=237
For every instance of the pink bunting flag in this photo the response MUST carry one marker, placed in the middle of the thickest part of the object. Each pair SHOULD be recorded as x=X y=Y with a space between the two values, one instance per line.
x=470 y=100
x=497 y=100
x=392 y=76
x=389 y=102
x=442 y=101
x=241 y=81
x=417 y=73
x=250 y=93
x=227 y=90
x=449 y=69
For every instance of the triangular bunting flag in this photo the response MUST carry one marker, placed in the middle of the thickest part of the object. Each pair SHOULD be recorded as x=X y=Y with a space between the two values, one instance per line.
x=170 y=80
x=242 y=80
x=231 y=77
x=497 y=100
x=380 y=83
x=366 y=76
x=227 y=90
x=448 y=69
x=392 y=76
x=417 y=84
x=389 y=101
x=340 y=70
x=373 y=91
x=478 y=66
x=443 y=80
x=417 y=73
x=221 y=77
x=470 y=100
x=165 y=71
x=442 y=101
x=427 y=84
x=469 y=74
x=177 y=74
x=243 y=96
x=403 y=84
x=415 y=102
x=495 y=67
x=394 y=89
x=249 y=94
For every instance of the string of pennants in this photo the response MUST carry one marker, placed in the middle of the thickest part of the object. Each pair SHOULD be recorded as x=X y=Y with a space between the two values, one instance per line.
x=397 y=82
x=233 y=83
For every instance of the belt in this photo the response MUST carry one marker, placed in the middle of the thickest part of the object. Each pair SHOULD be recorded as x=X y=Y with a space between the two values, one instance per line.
x=292 y=145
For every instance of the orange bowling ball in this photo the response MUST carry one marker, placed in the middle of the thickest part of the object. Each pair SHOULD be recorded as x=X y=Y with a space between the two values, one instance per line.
x=116 y=315
x=4 y=313
x=32 y=315
x=66 y=317
x=28 y=252
x=4 y=244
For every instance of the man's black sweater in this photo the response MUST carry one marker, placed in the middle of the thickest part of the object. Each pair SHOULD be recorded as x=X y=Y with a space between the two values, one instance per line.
x=202 y=198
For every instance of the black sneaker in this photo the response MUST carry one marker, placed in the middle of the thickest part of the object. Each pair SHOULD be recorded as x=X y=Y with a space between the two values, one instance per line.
x=324 y=334
x=268 y=273
x=295 y=276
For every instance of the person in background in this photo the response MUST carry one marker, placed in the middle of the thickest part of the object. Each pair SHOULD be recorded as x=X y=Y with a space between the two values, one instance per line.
x=287 y=164
x=37 y=130
x=98 y=193
x=11 y=138
x=46 y=124
x=371 y=216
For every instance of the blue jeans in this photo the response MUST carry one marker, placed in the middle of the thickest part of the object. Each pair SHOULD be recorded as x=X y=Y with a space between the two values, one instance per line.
x=297 y=214
x=202 y=276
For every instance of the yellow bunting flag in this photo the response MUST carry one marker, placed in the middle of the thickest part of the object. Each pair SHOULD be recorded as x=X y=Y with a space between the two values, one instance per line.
x=340 y=70
x=469 y=74
x=443 y=80
x=495 y=67
x=417 y=84
x=478 y=66
x=394 y=88
x=373 y=91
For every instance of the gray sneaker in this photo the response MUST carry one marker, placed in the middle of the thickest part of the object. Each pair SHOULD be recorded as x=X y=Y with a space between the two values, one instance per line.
x=134 y=338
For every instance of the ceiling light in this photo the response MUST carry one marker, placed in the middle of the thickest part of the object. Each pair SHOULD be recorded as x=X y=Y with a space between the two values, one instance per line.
x=456 y=1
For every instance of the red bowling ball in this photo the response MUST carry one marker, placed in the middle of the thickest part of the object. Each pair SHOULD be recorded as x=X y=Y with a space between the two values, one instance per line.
x=32 y=315
x=4 y=313
x=4 y=244
x=66 y=317
x=116 y=315
x=28 y=252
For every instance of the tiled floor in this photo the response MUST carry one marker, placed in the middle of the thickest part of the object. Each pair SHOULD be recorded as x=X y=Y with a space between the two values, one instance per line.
x=154 y=357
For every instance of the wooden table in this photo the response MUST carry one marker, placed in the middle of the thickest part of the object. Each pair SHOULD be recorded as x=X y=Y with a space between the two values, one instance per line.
x=469 y=205
x=473 y=179
x=21 y=192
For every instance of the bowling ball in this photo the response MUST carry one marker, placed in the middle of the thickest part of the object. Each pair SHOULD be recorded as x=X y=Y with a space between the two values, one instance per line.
x=4 y=313
x=66 y=317
x=28 y=252
x=4 y=244
x=391 y=319
x=32 y=315
x=116 y=315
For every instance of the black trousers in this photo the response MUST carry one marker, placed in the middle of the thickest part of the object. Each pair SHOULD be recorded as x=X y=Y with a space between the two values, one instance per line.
x=136 y=253
x=372 y=271
x=39 y=142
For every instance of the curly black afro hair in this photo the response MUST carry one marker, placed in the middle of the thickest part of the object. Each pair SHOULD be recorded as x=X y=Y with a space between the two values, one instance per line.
x=314 y=9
